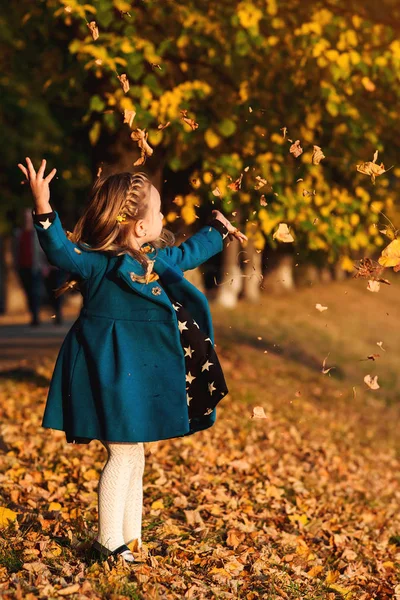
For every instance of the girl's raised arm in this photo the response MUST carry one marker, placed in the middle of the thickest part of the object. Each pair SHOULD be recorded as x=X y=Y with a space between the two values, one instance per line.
x=60 y=251
x=204 y=244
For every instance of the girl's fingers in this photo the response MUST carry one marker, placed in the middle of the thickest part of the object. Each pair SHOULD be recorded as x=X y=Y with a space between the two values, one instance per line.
x=50 y=176
x=31 y=170
x=41 y=168
x=23 y=169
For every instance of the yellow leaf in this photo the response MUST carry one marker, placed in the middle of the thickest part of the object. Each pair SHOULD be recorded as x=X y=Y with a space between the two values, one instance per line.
x=157 y=504
x=345 y=592
x=90 y=475
x=211 y=138
x=331 y=577
x=390 y=256
x=302 y=519
x=283 y=234
x=315 y=571
x=6 y=516
x=54 y=506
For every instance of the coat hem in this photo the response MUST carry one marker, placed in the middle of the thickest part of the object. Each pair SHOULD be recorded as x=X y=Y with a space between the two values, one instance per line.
x=86 y=440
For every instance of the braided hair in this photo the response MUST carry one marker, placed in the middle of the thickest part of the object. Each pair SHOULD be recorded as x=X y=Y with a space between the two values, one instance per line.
x=99 y=230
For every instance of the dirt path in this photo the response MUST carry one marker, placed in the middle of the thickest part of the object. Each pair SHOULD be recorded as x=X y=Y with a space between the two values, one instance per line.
x=23 y=345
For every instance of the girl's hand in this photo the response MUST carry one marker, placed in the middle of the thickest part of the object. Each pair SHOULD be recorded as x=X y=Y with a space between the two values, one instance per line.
x=39 y=186
x=232 y=230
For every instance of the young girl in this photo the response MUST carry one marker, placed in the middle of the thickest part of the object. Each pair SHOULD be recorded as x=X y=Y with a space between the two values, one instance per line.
x=139 y=364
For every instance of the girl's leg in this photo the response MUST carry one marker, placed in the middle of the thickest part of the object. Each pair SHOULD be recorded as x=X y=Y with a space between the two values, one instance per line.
x=132 y=524
x=112 y=492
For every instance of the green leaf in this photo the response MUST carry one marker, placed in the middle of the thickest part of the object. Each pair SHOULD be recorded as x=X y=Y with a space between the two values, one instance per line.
x=94 y=133
x=226 y=127
x=96 y=104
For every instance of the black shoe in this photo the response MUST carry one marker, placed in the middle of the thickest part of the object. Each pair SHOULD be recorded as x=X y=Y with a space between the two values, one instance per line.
x=104 y=552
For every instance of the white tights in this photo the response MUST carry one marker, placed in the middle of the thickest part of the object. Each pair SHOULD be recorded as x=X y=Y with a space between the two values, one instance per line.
x=120 y=495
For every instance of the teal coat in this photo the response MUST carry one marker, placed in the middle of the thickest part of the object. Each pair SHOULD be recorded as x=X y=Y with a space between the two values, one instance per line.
x=120 y=373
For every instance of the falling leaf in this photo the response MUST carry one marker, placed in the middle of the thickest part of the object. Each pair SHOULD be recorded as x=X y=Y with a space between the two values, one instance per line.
x=236 y=185
x=380 y=346
x=140 y=136
x=373 y=356
x=373 y=286
x=129 y=115
x=320 y=307
x=216 y=191
x=325 y=371
x=317 y=156
x=99 y=171
x=156 y=66
x=258 y=413
x=308 y=193
x=372 y=382
x=124 y=82
x=282 y=234
x=261 y=182
x=372 y=169
x=368 y=270
x=187 y=120
x=6 y=516
x=390 y=256
x=284 y=131
x=94 y=30
x=161 y=127
x=263 y=201
x=296 y=149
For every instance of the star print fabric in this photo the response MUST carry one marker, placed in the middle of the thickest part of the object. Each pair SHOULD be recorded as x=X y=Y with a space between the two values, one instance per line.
x=205 y=382
x=44 y=220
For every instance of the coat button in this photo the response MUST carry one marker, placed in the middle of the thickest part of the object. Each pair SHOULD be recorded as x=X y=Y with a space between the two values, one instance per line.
x=156 y=290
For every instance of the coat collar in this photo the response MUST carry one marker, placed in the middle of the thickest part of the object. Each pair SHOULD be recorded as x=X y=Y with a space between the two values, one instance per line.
x=128 y=265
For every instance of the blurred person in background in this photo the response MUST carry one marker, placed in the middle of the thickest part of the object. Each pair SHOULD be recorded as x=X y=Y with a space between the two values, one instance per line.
x=35 y=272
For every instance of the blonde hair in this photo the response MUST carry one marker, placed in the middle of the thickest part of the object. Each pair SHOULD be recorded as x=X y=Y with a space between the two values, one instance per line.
x=99 y=230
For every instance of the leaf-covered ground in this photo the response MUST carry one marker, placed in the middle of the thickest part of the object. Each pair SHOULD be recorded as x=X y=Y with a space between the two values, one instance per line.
x=303 y=504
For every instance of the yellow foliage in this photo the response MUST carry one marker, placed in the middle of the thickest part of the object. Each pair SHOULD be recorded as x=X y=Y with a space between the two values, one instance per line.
x=211 y=138
x=354 y=219
x=277 y=138
x=244 y=91
x=323 y=16
x=346 y=264
x=245 y=197
x=171 y=216
x=55 y=506
x=6 y=516
x=157 y=504
x=249 y=15
x=272 y=7
x=126 y=47
x=207 y=177
x=188 y=214
x=155 y=137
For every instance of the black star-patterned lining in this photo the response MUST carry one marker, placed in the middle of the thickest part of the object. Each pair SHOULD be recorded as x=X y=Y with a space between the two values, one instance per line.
x=205 y=382
x=44 y=220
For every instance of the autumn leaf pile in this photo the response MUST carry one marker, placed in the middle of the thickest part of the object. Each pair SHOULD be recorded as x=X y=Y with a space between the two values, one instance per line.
x=300 y=503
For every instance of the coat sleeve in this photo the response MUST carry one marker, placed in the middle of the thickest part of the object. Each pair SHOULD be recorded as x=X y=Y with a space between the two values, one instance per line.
x=201 y=246
x=63 y=253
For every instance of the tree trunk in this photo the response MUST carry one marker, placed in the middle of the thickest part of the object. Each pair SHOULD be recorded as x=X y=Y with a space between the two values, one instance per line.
x=253 y=273
x=279 y=272
x=231 y=283
x=306 y=274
